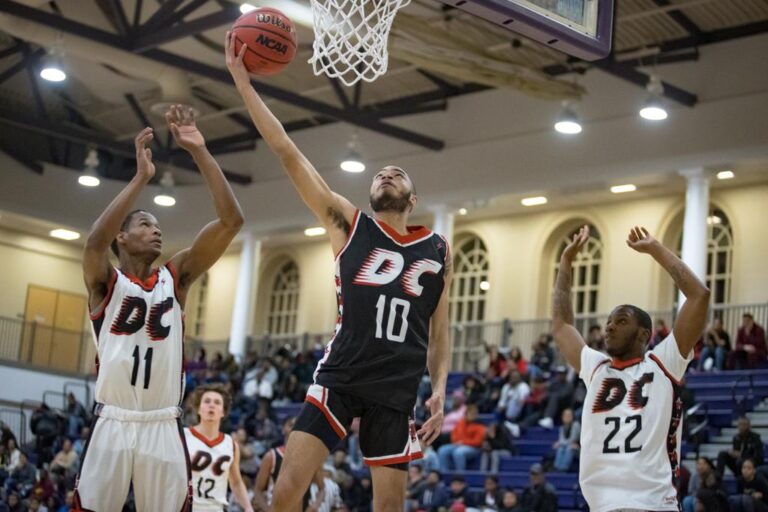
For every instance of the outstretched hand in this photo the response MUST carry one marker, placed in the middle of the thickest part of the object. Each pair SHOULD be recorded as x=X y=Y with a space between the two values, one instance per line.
x=235 y=60
x=181 y=122
x=640 y=240
x=431 y=428
x=144 y=165
x=578 y=241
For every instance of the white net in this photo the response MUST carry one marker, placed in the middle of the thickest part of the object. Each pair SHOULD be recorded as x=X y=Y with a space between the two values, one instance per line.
x=351 y=38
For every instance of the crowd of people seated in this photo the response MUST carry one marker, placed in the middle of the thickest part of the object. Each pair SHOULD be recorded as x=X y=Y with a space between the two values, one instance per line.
x=485 y=416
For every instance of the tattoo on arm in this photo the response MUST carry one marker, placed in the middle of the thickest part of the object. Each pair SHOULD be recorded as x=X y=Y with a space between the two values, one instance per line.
x=561 y=296
x=338 y=219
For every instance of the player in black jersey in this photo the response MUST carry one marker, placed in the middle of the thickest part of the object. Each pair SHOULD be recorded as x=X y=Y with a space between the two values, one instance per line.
x=392 y=283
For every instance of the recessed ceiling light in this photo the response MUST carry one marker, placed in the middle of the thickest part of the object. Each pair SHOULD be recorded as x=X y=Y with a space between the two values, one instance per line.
x=725 y=175
x=620 y=189
x=244 y=8
x=534 y=201
x=714 y=219
x=53 y=73
x=164 y=200
x=485 y=286
x=316 y=231
x=462 y=211
x=88 y=180
x=65 y=234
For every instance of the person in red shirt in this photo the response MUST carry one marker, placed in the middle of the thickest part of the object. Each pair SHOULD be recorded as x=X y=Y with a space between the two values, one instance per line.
x=466 y=441
x=750 y=351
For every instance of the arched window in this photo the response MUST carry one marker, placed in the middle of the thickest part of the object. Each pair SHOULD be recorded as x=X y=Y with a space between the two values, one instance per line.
x=284 y=300
x=470 y=282
x=586 y=271
x=719 y=257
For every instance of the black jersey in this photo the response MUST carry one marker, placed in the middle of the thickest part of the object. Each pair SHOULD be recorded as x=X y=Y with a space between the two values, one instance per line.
x=387 y=286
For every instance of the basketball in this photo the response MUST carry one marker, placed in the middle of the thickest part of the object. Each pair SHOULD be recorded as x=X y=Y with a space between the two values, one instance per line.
x=270 y=37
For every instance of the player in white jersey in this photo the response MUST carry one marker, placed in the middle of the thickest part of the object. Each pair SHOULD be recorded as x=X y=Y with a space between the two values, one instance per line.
x=214 y=456
x=137 y=315
x=631 y=421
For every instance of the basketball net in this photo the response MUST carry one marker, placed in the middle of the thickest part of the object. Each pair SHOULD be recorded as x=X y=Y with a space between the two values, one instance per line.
x=351 y=38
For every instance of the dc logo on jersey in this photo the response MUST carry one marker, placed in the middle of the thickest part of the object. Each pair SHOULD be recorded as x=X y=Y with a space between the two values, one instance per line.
x=613 y=391
x=382 y=267
x=133 y=316
x=201 y=460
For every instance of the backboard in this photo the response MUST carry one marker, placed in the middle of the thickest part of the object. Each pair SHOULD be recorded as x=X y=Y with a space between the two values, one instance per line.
x=582 y=28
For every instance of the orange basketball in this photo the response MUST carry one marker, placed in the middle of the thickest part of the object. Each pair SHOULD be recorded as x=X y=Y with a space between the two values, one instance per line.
x=270 y=37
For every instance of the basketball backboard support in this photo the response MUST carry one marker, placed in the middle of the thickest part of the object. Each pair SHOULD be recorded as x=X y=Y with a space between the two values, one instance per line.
x=582 y=28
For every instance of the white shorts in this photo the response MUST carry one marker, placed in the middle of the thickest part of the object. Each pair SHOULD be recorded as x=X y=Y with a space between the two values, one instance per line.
x=144 y=447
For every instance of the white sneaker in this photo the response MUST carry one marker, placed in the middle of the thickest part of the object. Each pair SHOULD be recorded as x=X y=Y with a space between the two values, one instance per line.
x=513 y=428
x=546 y=423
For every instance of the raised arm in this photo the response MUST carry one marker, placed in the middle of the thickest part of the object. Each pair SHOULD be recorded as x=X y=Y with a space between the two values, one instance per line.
x=569 y=340
x=692 y=317
x=438 y=360
x=216 y=236
x=334 y=211
x=262 y=481
x=236 y=482
x=97 y=270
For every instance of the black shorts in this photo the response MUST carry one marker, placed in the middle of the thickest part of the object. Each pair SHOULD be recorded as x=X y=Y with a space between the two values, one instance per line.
x=387 y=436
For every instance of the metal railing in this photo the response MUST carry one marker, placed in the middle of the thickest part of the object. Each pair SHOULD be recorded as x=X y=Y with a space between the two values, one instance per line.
x=16 y=421
x=19 y=339
x=42 y=345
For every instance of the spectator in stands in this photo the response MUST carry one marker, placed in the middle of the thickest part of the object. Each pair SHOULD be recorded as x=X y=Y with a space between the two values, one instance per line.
x=342 y=473
x=46 y=426
x=262 y=429
x=5 y=434
x=492 y=498
x=567 y=444
x=517 y=361
x=595 y=338
x=704 y=468
x=717 y=345
x=64 y=463
x=433 y=495
x=77 y=417
x=660 y=332
x=416 y=482
x=513 y=395
x=14 y=455
x=753 y=490
x=497 y=364
x=466 y=441
x=497 y=444
x=361 y=495
x=510 y=503
x=452 y=418
x=746 y=445
x=543 y=356
x=15 y=504
x=540 y=496
x=473 y=390
x=36 y=505
x=559 y=396
x=22 y=478
x=69 y=502
x=459 y=493
x=750 y=351
x=327 y=499
x=79 y=444
x=249 y=462
x=43 y=487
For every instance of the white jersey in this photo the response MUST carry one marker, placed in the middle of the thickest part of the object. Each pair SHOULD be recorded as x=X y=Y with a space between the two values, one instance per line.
x=139 y=333
x=631 y=429
x=210 y=461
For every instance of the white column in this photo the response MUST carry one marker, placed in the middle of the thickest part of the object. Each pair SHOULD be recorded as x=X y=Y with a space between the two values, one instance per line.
x=694 y=252
x=247 y=281
x=443 y=223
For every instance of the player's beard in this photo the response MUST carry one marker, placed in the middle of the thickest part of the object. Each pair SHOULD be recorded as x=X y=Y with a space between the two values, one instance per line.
x=625 y=348
x=387 y=202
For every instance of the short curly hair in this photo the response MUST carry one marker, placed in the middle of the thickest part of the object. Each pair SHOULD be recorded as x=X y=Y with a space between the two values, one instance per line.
x=202 y=389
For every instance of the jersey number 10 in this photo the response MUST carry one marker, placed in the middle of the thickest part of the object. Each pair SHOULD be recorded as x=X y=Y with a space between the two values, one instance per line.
x=397 y=307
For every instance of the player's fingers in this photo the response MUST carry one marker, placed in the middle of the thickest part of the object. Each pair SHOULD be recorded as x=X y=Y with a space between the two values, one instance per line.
x=645 y=232
x=241 y=53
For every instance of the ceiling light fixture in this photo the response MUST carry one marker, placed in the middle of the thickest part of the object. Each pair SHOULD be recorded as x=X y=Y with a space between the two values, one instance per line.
x=244 y=8
x=166 y=197
x=462 y=211
x=725 y=175
x=64 y=234
x=621 y=189
x=568 y=121
x=89 y=178
x=534 y=201
x=353 y=162
x=653 y=109
x=315 y=231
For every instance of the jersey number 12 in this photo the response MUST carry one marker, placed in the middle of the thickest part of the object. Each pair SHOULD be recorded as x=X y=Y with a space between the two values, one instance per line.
x=397 y=307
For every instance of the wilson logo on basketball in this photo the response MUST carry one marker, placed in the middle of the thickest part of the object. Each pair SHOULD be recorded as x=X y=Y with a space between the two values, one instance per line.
x=273 y=20
x=272 y=44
